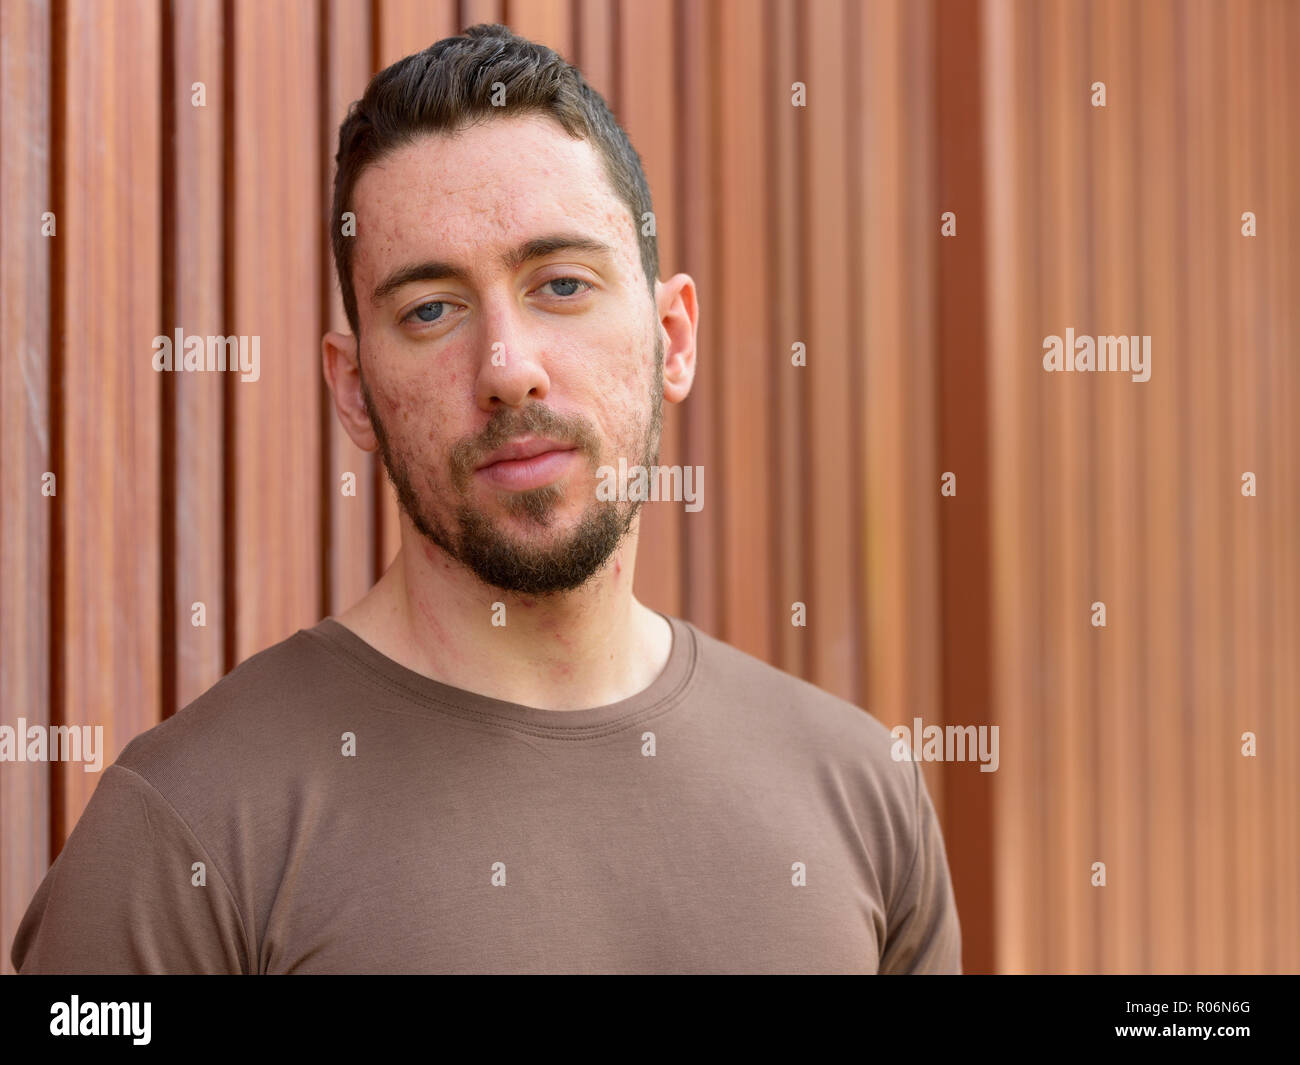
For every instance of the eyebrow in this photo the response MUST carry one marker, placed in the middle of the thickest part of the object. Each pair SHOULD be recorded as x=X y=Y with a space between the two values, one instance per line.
x=512 y=260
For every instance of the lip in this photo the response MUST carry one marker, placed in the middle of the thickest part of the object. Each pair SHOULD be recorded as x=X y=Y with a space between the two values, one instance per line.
x=525 y=464
x=527 y=448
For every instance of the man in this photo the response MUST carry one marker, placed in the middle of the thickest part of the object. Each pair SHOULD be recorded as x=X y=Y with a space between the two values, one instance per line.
x=499 y=760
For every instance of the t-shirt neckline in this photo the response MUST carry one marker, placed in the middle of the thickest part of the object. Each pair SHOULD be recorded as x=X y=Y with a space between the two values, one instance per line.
x=664 y=692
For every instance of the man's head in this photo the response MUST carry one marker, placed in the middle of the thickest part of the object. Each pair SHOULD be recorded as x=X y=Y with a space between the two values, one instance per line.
x=497 y=288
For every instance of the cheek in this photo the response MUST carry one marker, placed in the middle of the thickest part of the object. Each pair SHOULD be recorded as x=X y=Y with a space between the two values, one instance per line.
x=415 y=416
x=621 y=410
x=622 y=389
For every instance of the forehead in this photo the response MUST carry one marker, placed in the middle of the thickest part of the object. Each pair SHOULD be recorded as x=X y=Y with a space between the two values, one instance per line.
x=470 y=195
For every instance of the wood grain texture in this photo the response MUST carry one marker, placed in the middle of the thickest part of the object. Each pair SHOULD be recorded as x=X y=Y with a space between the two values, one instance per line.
x=817 y=225
x=1207 y=223
x=794 y=561
x=1012 y=459
x=1240 y=301
x=194 y=410
x=26 y=132
x=832 y=612
x=277 y=244
x=1114 y=149
x=698 y=240
x=752 y=364
x=406 y=26
x=108 y=616
x=962 y=358
x=547 y=22
x=920 y=609
x=647 y=109
x=1283 y=124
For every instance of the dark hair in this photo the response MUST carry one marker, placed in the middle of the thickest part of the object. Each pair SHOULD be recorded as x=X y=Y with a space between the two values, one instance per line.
x=450 y=85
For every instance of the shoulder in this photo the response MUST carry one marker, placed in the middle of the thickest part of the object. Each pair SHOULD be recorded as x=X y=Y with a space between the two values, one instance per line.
x=806 y=720
x=253 y=714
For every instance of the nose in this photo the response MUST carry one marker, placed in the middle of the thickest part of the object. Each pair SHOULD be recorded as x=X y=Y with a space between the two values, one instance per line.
x=510 y=370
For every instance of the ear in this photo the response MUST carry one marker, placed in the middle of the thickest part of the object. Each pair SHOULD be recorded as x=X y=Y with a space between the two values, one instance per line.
x=343 y=374
x=678 y=316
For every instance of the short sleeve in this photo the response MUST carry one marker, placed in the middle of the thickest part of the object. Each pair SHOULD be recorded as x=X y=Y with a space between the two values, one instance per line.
x=924 y=935
x=132 y=891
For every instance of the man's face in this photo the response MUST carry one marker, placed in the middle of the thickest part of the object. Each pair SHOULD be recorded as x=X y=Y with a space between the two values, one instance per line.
x=465 y=352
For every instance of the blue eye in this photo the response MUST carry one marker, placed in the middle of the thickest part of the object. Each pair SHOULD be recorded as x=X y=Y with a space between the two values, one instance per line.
x=569 y=281
x=425 y=311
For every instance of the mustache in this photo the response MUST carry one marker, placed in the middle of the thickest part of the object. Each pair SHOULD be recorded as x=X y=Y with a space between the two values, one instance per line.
x=507 y=423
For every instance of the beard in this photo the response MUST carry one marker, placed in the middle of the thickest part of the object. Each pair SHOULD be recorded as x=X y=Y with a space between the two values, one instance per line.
x=477 y=542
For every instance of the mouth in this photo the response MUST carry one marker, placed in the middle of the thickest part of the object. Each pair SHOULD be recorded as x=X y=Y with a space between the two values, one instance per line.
x=527 y=463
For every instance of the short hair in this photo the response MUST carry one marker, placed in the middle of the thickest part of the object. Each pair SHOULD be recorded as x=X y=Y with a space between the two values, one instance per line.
x=451 y=85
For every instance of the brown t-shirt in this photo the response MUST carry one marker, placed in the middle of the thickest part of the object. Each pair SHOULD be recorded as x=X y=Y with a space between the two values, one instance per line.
x=323 y=809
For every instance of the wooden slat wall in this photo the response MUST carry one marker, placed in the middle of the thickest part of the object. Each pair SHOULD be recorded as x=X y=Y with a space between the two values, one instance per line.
x=1212 y=893
x=960 y=662
x=1123 y=744
x=26 y=517
x=817 y=225
x=194 y=405
x=106 y=411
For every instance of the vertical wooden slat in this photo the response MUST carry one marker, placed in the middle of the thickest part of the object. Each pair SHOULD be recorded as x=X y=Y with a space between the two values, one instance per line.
x=594 y=24
x=195 y=401
x=1012 y=78
x=1160 y=635
x=1068 y=616
x=1209 y=225
x=1290 y=737
x=1114 y=146
x=1244 y=337
x=404 y=27
x=697 y=238
x=278 y=238
x=1060 y=601
x=351 y=519
x=544 y=21
x=893 y=371
x=25 y=194
x=1278 y=911
x=1183 y=509
x=1282 y=34
x=962 y=372
x=473 y=12
x=921 y=611
x=647 y=106
x=883 y=352
x=789 y=317
x=831 y=613
x=109 y=485
x=741 y=484
x=1047 y=397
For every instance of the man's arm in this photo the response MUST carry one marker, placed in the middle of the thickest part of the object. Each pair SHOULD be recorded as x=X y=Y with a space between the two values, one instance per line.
x=924 y=935
x=122 y=898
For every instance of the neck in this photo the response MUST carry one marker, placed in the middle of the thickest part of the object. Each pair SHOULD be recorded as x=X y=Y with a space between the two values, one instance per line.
x=590 y=647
